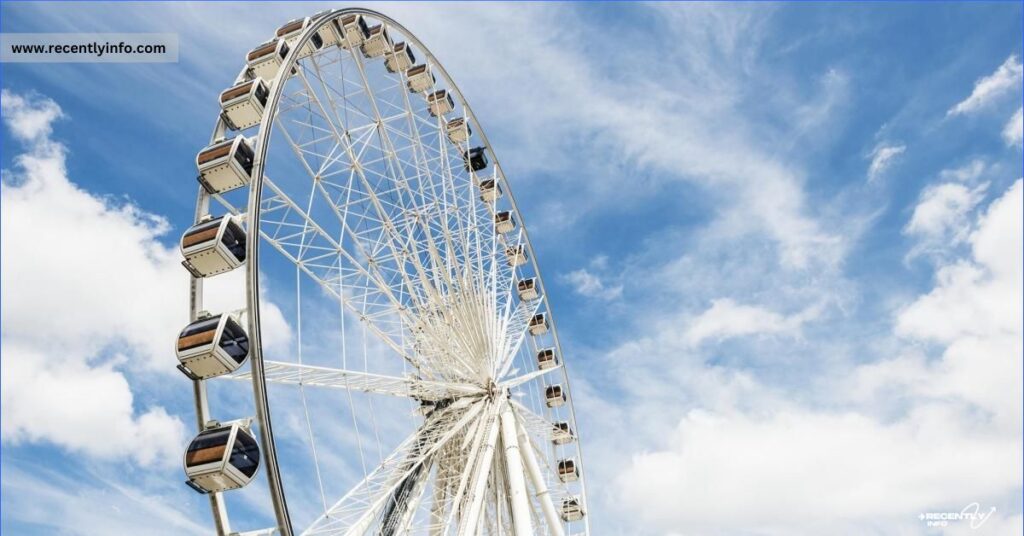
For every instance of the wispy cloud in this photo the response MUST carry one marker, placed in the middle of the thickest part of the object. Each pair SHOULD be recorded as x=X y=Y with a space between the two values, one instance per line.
x=1013 y=132
x=991 y=87
x=727 y=319
x=882 y=158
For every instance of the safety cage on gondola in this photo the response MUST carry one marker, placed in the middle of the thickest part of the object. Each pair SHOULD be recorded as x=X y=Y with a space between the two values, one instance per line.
x=420 y=78
x=354 y=30
x=243 y=104
x=568 y=471
x=440 y=102
x=516 y=255
x=223 y=457
x=572 y=509
x=527 y=289
x=265 y=60
x=400 y=58
x=292 y=31
x=504 y=222
x=378 y=42
x=561 y=434
x=554 y=396
x=458 y=130
x=489 y=190
x=538 y=324
x=225 y=165
x=546 y=358
x=212 y=346
x=213 y=246
x=474 y=159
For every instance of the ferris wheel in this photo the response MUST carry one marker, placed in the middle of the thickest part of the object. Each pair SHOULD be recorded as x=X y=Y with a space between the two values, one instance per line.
x=422 y=390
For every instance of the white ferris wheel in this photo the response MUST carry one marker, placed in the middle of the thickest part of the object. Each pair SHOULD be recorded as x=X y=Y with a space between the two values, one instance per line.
x=423 y=389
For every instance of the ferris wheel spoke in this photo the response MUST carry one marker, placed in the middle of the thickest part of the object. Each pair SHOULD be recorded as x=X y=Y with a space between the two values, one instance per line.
x=316 y=376
x=361 y=506
x=283 y=221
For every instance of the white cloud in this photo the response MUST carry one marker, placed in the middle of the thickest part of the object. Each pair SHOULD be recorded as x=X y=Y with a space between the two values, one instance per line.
x=941 y=212
x=889 y=440
x=988 y=88
x=882 y=157
x=591 y=285
x=89 y=291
x=1013 y=132
x=28 y=119
x=726 y=319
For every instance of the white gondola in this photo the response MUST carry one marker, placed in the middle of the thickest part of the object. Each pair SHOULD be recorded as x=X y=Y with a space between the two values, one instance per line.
x=265 y=60
x=538 y=324
x=489 y=190
x=354 y=30
x=222 y=458
x=212 y=346
x=572 y=509
x=504 y=222
x=420 y=78
x=293 y=30
x=378 y=42
x=330 y=33
x=561 y=434
x=546 y=358
x=213 y=247
x=225 y=165
x=399 y=58
x=242 y=104
x=568 y=471
x=516 y=255
x=458 y=130
x=554 y=396
x=474 y=159
x=440 y=103
x=527 y=289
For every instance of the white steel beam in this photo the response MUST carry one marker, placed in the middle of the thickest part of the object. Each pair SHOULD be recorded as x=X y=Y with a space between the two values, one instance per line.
x=521 y=522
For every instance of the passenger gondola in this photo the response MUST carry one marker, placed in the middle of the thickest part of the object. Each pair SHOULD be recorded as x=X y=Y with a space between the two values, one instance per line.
x=330 y=33
x=458 y=130
x=420 y=78
x=538 y=324
x=225 y=165
x=212 y=346
x=440 y=103
x=568 y=471
x=561 y=434
x=527 y=289
x=516 y=255
x=546 y=358
x=222 y=458
x=378 y=42
x=213 y=247
x=242 y=104
x=474 y=159
x=572 y=509
x=489 y=190
x=554 y=396
x=504 y=222
x=293 y=30
x=354 y=30
x=265 y=60
x=400 y=58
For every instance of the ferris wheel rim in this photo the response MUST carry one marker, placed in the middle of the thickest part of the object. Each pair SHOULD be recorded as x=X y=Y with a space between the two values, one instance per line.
x=252 y=277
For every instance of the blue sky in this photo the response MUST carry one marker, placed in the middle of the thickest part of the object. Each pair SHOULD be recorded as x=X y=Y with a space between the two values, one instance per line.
x=782 y=242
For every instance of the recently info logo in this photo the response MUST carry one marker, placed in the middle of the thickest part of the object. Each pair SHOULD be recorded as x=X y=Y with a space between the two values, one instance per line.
x=971 y=513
